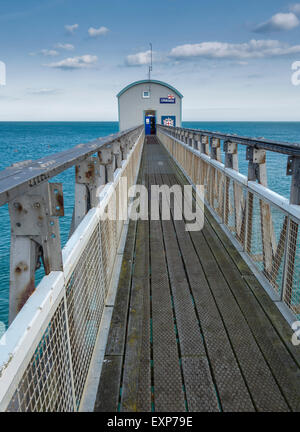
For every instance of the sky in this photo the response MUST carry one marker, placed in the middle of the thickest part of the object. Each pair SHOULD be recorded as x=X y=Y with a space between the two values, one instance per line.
x=67 y=59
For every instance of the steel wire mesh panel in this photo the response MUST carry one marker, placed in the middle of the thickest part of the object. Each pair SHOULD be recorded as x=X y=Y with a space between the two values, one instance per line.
x=266 y=239
x=218 y=193
x=46 y=383
x=109 y=245
x=292 y=269
x=85 y=292
x=229 y=211
x=119 y=221
x=188 y=162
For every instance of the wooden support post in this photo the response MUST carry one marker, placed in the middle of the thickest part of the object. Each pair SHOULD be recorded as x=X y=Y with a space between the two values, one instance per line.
x=231 y=155
x=197 y=142
x=117 y=153
x=293 y=169
x=205 y=145
x=215 y=179
x=257 y=170
x=88 y=179
x=124 y=145
x=106 y=160
x=216 y=149
x=232 y=162
x=35 y=236
x=186 y=137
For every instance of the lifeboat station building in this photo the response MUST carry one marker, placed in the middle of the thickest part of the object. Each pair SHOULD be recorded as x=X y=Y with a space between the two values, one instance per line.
x=149 y=102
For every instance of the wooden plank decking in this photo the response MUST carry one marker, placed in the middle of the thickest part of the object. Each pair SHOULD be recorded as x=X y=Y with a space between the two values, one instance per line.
x=192 y=329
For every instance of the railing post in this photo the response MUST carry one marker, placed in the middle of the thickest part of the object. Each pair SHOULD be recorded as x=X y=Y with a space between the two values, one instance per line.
x=204 y=144
x=231 y=155
x=216 y=149
x=253 y=174
x=106 y=161
x=257 y=170
x=293 y=169
x=87 y=180
x=232 y=162
x=197 y=141
x=35 y=237
x=117 y=153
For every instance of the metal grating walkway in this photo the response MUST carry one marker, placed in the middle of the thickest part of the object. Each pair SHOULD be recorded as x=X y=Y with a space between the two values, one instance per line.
x=192 y=329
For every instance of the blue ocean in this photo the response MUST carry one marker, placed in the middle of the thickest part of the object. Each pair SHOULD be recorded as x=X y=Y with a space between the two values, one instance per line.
x=33 y=140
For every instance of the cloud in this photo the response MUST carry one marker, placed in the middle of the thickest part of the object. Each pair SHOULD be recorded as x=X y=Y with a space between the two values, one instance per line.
x=139 y=59
x=66 y=46
x=222 y=50
x=95 y=32
x=279 y=22
x=71 y=28
x=79 y=62
x=295 y=8
x=46 y=53
x=42 y=91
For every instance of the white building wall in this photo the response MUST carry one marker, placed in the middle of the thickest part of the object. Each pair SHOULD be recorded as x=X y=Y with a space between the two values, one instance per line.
x=132 y=105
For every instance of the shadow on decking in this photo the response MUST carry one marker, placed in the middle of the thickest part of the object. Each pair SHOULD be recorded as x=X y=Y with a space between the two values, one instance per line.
x=192 y=328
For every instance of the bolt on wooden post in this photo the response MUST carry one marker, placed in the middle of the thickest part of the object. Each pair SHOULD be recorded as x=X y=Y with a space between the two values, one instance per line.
x=35 y=236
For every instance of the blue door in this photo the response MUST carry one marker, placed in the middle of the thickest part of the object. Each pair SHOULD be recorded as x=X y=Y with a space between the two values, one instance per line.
x=150 y=125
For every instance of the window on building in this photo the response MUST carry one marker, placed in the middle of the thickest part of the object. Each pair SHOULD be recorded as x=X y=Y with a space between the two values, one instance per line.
x=146 y=94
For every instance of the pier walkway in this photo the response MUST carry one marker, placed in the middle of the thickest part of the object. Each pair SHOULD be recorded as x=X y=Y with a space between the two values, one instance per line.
x=192 y=328
x=141 y=314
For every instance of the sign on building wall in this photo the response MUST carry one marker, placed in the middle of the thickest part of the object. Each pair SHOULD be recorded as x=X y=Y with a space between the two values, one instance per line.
x=168 y=121
x=170 y=99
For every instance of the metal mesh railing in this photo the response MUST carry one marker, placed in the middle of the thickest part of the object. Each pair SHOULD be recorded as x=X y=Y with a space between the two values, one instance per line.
x=46 y=384
x=265 y=227
x=85 y=293
x=47 y=371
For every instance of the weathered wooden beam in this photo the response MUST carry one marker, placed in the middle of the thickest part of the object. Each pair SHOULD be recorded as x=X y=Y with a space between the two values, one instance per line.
x=293 y=169
x=117 y=152
x=231 y=155
x=216 y=149
x=205 y=144
x=106 y=161
x=35 y=236
x=88 y=178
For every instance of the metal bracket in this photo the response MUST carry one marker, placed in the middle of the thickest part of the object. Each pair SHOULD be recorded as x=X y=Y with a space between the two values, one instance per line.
x=230 y=147
x=35 y=234
x=257 y=156
x=293 y=169
x=87 y=171
x=215 y=148
x=117 y=153
x=289 y=167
